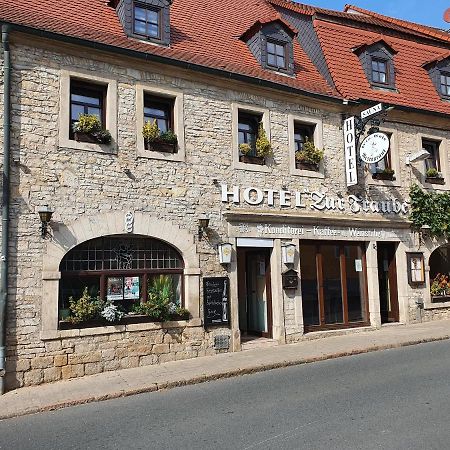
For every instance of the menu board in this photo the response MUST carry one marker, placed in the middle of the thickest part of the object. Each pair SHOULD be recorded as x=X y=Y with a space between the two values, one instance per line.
x=216 y=300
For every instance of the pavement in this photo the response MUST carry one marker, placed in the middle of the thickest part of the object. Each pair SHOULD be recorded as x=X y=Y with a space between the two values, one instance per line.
x=120 y=383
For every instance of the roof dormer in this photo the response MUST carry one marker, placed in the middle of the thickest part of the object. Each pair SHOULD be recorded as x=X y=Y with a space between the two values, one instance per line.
x=145 y=19
x=377 y=60
x=271 y=43
x=439 y=71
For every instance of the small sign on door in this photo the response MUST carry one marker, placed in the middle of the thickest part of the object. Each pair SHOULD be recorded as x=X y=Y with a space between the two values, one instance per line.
x=358 y=265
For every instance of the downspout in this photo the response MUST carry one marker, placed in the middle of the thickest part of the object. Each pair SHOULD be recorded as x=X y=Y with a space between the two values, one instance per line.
x=4 y=256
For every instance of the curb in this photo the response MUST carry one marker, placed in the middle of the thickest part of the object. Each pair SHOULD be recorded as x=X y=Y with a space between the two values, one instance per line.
x=218 y=376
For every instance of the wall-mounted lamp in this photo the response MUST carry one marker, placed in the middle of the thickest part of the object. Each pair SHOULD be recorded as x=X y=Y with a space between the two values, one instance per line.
x=45 y=214
x=421 y=155
x=203 y=223
x=225 y=251
x=288 y=253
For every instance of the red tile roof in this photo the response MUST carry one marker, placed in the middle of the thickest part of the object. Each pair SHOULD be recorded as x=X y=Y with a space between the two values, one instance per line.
x=413 y=83
x=206 y=33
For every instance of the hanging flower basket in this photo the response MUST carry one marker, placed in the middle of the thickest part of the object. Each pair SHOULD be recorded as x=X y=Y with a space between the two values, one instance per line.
x=252 y=159
x=305 y=165
x=160 y=146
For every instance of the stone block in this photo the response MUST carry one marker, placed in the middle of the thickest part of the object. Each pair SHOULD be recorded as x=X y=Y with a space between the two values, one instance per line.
x=72 y=371
x=17 y=365
x=148 y=360
x=60 y=360
x=83 y=358
x=159 y=349
x=166 y=358
x=42 y=362
x=185 y=355
x=91 y=368
x=108 y=354
x=129 y=362
x=111 y=365
x=33 y=377
x=52 y=374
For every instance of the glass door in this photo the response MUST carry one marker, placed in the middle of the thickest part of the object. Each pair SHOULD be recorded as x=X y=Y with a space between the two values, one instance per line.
x=333 y=283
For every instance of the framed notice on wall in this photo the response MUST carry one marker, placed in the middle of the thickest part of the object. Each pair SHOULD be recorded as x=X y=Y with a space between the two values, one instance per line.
x=416 y=268
x=216 y=295
x=114 y=288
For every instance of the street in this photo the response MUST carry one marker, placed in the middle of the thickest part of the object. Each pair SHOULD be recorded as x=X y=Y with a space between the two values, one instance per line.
x=393 y=399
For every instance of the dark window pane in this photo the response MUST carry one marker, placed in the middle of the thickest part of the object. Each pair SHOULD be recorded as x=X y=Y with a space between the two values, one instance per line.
x=332 y=292
x=140 y=13
x=153 y=30
x=95 y=101
x=309 y=284
x=139 y=27
x=76 y=111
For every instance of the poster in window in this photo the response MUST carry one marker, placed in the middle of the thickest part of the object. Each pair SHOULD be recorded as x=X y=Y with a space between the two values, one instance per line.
x=131 y=288
x=114 y=288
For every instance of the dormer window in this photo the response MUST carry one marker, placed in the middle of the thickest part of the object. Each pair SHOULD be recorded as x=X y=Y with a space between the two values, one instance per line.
x=379 y=71
x=276 y=54
x=377 y=60
x=147 y=21
x=445 y=84
x=272 y=44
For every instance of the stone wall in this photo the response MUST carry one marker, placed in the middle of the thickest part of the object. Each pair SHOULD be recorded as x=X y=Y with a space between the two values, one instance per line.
x=77 y=183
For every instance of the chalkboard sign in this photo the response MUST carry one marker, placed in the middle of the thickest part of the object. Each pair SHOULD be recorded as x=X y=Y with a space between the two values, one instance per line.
x=216 y=300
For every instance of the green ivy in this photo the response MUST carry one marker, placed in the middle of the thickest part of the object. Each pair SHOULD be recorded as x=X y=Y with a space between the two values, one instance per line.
x=432 y=209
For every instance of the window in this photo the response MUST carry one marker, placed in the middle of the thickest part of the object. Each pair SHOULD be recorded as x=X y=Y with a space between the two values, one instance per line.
x=86 y=98
x=119 y=269
x=433 y=162
x=445 y=84
x=384 y=169
x=379 y=71
x=276 y=54
x=159 y=109
x=147 y=21
x=248 y=125
x=302 y=133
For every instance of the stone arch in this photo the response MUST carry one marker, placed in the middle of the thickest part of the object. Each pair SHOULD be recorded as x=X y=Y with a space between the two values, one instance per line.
x=66 y=237
x=439 y=261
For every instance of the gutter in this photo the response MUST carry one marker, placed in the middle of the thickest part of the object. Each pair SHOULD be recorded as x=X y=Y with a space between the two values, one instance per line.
x=4 y=256
x=170 y=61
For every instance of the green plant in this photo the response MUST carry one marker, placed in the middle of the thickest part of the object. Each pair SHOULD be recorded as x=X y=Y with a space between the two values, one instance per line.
x=263 y=147
x=182 y=311
x=85 y=308
x=245 y=149
x=440 y=285
x=430 y=208
x=309 y=153
x=432 y=173
x=90 y=124
x=151 y=131
x=387 y=171
x=169 y=136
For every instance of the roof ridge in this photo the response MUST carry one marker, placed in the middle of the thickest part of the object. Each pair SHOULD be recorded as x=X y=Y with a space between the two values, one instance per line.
x=424 y=29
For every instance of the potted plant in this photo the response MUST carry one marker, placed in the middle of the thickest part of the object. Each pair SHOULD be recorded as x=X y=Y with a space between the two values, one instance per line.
x=434 y=177
x=440 y=288
x=156 y=141
x=85 y=310
x=89 y=129
x=261 y=150
x=385 y=174
x=309 y=157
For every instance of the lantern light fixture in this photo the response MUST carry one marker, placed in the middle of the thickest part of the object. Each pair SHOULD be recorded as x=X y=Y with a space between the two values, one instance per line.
x=45 y=214
x=288 y=253
x=225 y=251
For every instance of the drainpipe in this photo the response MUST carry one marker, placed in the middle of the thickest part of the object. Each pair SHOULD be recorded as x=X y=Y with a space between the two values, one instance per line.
x=4 y=255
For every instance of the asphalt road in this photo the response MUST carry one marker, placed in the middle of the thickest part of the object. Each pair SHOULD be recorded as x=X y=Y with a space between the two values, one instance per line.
x=395 y=399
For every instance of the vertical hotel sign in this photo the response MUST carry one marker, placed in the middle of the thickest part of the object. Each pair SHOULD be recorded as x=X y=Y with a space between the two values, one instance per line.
x=351 y=171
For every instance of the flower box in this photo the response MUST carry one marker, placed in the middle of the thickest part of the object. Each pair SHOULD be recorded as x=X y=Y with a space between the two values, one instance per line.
x=85 y=137
x=252 y=159
x=304 y=165
x=440 y=298
x=160 y=146
x=383 y=176
x=435 y=180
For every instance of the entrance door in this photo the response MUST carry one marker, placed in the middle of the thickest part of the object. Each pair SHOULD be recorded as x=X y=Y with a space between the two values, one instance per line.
x=255 y=301
x=387 y=281
x=333 y=280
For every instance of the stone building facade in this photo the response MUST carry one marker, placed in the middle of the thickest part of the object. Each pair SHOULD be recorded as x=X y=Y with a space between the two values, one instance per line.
x=94 y=189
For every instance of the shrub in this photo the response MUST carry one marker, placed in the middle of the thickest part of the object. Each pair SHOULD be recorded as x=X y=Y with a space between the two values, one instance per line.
x=245 y=149
x=440 y=285
x=309 y=153
x=85 y=308
x=111 y=312
x=263 y=147
x=169 y=136
x=432 y=173
x=151 y=131
x=90 y=124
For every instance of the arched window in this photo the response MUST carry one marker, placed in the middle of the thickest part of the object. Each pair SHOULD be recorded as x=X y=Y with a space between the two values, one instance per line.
x=439 y=272
x=119 y=269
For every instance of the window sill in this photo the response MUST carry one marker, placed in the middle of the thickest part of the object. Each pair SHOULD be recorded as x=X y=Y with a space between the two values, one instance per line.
x=251 y=167
x=378 y=182
x=307 y=173
x=435 y=180
x=437 y=302
x=86 y=146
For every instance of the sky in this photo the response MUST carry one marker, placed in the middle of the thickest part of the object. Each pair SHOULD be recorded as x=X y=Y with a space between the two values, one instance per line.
x=427 y=12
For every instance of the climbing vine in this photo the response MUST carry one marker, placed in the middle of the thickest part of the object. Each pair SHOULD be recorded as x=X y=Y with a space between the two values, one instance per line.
x=432 y=209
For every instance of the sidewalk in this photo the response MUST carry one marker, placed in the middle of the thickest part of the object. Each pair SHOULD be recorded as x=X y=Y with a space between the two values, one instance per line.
x=152 y=378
